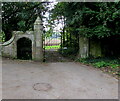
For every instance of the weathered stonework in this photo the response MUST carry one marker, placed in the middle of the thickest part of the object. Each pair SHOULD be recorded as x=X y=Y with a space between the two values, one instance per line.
x=35 y=36
x=95 y=48
x=89 y=47
x=83 y=47
x=38 y=32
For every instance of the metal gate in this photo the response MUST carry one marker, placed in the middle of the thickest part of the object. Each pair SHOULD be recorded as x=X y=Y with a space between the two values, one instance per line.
x=51 y=44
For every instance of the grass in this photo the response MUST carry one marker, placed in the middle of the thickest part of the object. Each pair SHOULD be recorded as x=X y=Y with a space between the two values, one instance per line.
x=52 y=47
x=110 y=65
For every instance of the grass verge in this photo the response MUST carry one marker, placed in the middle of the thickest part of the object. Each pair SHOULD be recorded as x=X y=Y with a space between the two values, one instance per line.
x=109 y=65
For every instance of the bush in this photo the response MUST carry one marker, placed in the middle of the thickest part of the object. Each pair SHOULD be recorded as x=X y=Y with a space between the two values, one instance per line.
x=110 y=65
x=83 y=60
x=100 y=64
x=2 y=36
x=68 y=51
x=113 y=65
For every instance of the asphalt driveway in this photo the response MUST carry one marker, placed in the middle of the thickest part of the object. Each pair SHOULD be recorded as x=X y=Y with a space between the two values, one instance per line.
x=61 y=80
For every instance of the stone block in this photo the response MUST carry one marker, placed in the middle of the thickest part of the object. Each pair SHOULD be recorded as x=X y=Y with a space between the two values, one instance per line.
x=95 y=48
x=83 y=47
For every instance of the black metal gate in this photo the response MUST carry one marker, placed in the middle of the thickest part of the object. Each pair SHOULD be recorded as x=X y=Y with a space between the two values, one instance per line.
x=51 y=44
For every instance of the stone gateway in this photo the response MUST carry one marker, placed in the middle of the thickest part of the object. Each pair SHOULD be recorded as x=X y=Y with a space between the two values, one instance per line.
x=25 y=45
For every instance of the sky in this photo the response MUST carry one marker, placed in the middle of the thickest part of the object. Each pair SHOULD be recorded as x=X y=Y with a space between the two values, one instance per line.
x=58 y=26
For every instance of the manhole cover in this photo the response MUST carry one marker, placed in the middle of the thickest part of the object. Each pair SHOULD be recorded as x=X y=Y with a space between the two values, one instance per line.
x=42 y=86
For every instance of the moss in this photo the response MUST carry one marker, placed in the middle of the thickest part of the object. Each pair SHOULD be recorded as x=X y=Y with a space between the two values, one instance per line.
x=95 y=49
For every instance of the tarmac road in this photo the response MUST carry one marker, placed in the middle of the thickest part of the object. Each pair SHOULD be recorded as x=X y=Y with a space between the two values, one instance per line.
x=60 y=80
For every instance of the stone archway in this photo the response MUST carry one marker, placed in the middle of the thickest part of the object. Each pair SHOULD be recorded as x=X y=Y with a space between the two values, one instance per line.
x=23 y=43
x=24 y=48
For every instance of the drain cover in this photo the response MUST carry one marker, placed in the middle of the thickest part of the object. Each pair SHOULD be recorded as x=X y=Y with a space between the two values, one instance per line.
x=42 y=86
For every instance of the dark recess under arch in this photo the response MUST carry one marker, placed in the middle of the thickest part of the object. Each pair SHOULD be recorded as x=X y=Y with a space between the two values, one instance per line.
x=24 y=49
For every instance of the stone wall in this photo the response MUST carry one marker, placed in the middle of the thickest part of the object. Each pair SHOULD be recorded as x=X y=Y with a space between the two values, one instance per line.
x=89 y=48
x=10 y=50
x=95 y=48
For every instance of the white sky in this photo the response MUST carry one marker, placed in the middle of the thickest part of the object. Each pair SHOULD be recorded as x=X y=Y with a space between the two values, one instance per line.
x=58 y=26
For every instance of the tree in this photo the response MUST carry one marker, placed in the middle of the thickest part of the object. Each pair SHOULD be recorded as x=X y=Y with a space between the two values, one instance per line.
x=90 y=19
x=95 y=19
x=20 y=16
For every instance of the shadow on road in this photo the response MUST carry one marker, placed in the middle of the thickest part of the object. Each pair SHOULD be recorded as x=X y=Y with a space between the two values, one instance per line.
x=54 y=56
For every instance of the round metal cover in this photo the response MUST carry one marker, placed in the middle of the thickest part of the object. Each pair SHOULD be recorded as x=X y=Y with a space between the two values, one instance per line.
x=42 y=86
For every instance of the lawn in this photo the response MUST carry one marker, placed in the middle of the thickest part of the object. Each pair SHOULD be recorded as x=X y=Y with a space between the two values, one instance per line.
x=52 y=47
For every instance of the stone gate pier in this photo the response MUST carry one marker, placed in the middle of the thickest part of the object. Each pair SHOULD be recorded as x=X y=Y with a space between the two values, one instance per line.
x=27 y=43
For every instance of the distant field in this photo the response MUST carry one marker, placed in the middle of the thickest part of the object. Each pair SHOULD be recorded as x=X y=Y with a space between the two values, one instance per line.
x=52 y=47
x=53 y=41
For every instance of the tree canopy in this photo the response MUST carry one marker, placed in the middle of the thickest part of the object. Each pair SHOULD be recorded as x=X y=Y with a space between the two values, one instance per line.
x=99 y=19
x=90 y=19
x=20 y=16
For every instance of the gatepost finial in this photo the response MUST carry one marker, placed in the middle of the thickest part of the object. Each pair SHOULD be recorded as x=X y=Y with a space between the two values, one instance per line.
x=38 y=21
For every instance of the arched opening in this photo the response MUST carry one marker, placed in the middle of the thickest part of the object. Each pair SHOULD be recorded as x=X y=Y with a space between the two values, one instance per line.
x=24 y=49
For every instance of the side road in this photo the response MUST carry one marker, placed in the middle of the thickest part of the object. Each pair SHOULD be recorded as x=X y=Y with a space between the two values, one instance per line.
x=60 y=80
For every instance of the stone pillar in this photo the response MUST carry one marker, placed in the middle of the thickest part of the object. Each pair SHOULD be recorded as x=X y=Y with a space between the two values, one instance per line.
x=83 y=47
x=38 y=47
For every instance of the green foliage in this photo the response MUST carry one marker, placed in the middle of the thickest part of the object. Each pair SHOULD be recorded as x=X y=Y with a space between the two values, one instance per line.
x=97 y=18
x=90 y=19
x=100 y=64
x=19 y=16
x=68 y=51
x=21 y=24
x=49 y=33
x=52 y=47
x=2 y=37
x=83 y=60
x=114 y=65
